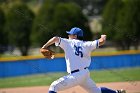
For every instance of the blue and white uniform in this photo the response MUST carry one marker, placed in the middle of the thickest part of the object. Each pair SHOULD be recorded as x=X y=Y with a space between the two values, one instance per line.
x=77 y=56
x=77 y=52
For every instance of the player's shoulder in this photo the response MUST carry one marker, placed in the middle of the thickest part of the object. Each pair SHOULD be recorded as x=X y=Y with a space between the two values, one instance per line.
x=89 y=42
x=86 y=42
x=77 y=41
x=64 y=40
x=70 y=40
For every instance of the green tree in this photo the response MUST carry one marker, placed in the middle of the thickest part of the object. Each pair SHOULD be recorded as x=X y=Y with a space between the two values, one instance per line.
x=110 y=17
x=55 y=19
x=121 y=22
x=89 y=7
x=3 y=38
x=128 y=24
x=18 y=26
x=68 y=15
x=41 y=27
x=3 y=1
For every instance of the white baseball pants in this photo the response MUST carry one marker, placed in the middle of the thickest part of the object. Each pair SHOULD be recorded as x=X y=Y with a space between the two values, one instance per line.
x=81 y=78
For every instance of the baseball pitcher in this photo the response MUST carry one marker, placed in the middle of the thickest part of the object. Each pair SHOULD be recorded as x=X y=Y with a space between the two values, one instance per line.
x=78 y=59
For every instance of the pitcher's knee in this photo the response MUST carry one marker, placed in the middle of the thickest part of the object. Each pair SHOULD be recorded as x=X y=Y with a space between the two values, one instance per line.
x=54 y=86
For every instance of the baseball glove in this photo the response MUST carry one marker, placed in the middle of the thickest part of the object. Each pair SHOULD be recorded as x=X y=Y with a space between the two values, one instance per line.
x=47 y=53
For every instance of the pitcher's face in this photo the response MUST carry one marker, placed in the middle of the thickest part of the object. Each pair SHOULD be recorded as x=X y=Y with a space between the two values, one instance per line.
x=72 y=36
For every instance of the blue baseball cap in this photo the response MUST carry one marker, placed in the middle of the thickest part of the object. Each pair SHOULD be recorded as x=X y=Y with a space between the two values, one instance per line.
x=75 y=31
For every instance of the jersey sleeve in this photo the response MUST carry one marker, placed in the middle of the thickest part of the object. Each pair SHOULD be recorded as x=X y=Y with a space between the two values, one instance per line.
x=62 y=43
x=91 y=45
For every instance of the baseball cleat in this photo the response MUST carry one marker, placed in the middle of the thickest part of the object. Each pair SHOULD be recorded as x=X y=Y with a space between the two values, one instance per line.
x=121 y=91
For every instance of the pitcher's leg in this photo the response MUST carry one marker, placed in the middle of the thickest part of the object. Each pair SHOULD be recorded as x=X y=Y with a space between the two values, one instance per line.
x=90 y=86
x=63 y=83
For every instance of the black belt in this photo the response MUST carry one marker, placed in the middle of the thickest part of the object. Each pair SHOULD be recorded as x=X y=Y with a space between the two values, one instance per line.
x=77 y=70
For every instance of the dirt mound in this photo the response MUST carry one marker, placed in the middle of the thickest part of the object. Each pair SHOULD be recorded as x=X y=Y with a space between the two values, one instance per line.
x=130 y=87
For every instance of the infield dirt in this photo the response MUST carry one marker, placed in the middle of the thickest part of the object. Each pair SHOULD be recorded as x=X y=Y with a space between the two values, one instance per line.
x=130 y=87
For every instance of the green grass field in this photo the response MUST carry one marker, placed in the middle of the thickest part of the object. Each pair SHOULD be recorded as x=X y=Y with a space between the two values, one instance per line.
x=115 y=75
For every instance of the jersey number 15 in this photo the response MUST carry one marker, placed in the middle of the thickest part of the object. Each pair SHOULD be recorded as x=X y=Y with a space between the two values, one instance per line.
x=78 y=51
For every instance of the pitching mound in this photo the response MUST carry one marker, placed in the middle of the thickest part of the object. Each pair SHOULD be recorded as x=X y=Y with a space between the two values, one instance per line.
x=130 y=87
